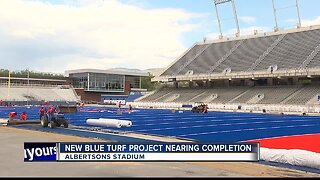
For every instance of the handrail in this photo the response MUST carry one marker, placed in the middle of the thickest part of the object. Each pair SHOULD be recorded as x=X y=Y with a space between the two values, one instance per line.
x=273 y=45
x=221 y=60
x=310 y=57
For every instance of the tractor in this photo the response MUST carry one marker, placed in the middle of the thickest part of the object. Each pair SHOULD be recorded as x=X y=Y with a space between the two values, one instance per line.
x=53 y=120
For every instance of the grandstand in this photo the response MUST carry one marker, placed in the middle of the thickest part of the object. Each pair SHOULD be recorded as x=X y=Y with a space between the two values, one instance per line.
x=35 y=91
x=19 y=95
x=280 y=68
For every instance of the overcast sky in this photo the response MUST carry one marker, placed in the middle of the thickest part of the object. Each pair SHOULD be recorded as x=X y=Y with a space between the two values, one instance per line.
x=58 y=35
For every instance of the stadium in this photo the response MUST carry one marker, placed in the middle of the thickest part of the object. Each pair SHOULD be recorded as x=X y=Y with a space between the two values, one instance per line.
x=260 y=88
x=250 y=73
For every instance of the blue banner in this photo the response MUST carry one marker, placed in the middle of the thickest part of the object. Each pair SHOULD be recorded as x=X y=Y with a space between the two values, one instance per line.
x=158 y=148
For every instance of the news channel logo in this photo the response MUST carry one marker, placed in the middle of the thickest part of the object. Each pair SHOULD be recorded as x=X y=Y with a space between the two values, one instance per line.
x=43 y=151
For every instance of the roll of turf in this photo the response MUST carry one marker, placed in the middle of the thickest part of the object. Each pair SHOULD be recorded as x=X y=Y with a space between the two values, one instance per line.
x=125 y=123
x=104 y=122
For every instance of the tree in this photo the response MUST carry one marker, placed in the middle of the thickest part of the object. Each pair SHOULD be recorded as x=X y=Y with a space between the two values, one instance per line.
x=147 y=84
x=32 y=74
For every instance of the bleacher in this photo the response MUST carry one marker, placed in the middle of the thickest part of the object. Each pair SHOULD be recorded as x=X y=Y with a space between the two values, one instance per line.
x=315 y=62
x=270 y=95
x=31 y=93
x=238 y=95
x=185 y=94
x=287 y=51
x=292 y=51
x=304 y=95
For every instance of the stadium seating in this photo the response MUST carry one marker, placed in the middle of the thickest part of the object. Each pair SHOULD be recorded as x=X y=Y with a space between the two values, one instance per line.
x=315 y=62
x=186 y=94
x=297 y=95
x=156 y=95
x=271 y=94
x=38 y=94
x=189 y=56
x=293 y=54
x=286 y=51
x=292 y=50
x=304 y=95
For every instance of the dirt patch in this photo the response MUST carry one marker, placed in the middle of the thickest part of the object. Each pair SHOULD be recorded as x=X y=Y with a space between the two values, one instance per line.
x=18 y=136
x=51 y=136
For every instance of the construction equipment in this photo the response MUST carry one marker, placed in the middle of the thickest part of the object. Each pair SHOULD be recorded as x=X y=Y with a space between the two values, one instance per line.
x=53 y=120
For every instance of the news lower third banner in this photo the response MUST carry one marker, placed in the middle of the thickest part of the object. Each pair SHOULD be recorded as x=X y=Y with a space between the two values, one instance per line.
x=156 y=152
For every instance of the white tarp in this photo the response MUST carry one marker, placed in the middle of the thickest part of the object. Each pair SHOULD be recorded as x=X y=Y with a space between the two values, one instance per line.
x=294 y=157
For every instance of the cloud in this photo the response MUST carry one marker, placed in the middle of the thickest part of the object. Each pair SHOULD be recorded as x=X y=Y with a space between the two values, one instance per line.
x=312 y=22
x=247 y=19
x=96 y=34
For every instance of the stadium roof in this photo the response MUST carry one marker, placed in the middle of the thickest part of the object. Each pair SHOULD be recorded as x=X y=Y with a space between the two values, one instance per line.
x=118 y=71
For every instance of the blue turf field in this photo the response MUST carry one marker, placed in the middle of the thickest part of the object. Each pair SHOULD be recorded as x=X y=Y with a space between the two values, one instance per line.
x=211 y=127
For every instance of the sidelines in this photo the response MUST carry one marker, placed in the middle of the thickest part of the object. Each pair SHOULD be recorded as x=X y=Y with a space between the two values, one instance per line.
x=86 y=133
x=214 y=126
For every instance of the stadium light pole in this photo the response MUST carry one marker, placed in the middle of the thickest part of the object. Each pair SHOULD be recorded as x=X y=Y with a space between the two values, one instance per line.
x=28 y=94
x=9 y=83
x=298 y=11
x=236 y=18
x=217 y=2
x=219 y=22
x=276 y=28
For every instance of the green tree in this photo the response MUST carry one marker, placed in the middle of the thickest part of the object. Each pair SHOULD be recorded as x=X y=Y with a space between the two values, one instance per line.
x=147 y=84
x=32 y=74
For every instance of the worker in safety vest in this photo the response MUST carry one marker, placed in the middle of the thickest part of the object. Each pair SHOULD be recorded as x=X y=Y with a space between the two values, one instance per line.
x=23 y=116
x=42 y=111
x=12 y=115
x=51 y=111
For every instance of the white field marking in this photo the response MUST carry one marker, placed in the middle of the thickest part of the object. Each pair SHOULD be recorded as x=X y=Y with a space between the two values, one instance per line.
x=187 y=127
x=212 y=125
x=206 y=121
x=236 y=119
x=150 y=119
x=250 y=129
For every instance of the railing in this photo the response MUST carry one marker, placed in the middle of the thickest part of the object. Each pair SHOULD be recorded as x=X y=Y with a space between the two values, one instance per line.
x=191 y=59
x=245 y=74
x=30 y=85
x=274 y=44
x=310 y=57
x=212 y=68
x=273 y=108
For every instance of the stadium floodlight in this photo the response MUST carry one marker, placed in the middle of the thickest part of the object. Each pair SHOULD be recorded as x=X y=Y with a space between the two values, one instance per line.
x=221 y=1
x=275 y=15
x=299 y=19
x=276 y=28
x=216 y=3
